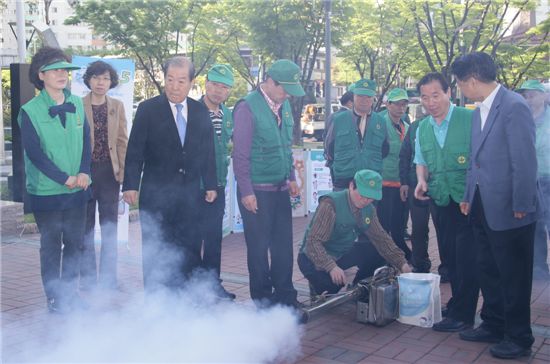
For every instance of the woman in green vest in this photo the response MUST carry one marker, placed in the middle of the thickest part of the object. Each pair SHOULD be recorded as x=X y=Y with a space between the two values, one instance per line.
x=56 y=143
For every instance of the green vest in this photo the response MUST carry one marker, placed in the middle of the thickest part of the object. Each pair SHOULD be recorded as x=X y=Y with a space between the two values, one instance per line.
x=222 y=143
x=447 y=166
x=345 y=230
x=350 y=155
x=271 y=153
x=390 y=164
x=62 y=145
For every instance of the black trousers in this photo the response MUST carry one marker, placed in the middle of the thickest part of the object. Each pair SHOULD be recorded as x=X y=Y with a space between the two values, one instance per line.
x=505 y=260
x=362 y=255
x=59 y=267
x=269 y=230
x=459 y=248
x=211 y=226
x=443 y=268
x=170 y=246
x=420 y=218
x=390 y=213
x=105 y=195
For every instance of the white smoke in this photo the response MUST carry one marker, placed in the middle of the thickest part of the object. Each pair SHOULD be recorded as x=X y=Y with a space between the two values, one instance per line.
x=190 y=325
x=171 y=328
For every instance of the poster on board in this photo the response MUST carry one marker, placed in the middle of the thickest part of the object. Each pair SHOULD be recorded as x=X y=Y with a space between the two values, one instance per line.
x=298 y=203
x=125 y=93
x=318 y=178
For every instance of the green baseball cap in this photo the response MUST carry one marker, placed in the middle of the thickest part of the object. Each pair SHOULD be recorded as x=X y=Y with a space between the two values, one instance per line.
x=61 y=64
x=397 y=94
x=287 y=73
x=531 y=85
x=365 y=87
x=221 y=73
x=369 y=184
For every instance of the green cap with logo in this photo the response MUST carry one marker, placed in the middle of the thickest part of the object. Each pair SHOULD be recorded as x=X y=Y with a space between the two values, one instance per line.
x=369 y=184
x=535 y=85
x=61 y=64
x=221 y=73
x=364 y=87
x=397 y=94
x=287 y=73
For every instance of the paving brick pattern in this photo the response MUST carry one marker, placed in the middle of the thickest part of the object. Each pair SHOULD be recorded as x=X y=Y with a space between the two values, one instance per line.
x=334 y=337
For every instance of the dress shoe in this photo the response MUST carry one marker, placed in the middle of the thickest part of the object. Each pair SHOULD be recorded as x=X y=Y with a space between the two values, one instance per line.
x=507 y=349
x=57 y=306
x=77 y=303
x=481 y=334
x=451 y=325
x=224 y=294
x=298 y=307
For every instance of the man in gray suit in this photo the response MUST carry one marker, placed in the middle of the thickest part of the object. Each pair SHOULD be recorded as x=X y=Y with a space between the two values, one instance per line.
x=503 y=200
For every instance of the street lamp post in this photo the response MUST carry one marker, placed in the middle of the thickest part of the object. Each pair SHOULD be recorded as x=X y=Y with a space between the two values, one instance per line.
x=328 y=83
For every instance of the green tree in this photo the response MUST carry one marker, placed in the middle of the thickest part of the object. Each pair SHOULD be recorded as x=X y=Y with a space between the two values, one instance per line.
x=446 y=29
x=378 y=43
x=525 y=55
x=291 y=29
x=151 y=31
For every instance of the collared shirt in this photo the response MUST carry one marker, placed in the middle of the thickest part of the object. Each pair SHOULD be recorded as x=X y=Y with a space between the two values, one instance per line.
x=321 y=231
x=275 y=107
x=184 y=110
x=485 y=106
x=440 y=132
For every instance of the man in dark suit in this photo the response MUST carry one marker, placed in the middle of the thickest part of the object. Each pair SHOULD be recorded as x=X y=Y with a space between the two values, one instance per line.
x=502 y=198
x=172 y=144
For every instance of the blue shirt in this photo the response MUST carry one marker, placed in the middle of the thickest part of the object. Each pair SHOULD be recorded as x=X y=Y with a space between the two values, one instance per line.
x=440 y=132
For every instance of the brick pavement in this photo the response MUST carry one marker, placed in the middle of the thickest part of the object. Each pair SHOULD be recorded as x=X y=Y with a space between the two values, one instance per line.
x=334 y=337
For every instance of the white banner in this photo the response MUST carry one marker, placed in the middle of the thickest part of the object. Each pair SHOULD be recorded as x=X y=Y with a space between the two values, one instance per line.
x=318 y=178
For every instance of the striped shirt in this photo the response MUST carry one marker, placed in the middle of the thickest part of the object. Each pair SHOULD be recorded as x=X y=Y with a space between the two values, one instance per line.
x=321 y=230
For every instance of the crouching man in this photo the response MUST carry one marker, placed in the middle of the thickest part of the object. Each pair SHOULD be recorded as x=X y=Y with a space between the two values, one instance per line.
x=331 y=243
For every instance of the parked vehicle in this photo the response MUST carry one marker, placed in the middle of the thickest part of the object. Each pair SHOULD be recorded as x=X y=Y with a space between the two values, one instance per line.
x=313 y=120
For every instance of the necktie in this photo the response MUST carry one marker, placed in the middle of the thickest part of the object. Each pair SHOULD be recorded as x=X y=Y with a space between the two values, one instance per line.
x=362 y=125
x=180 y=122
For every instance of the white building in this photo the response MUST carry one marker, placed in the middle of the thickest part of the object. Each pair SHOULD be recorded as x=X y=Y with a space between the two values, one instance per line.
x=69 y=36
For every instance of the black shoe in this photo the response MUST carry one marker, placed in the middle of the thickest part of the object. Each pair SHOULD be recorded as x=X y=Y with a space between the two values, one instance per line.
x=300 y=311
x=223 y=294
x=451 y=325
x=507 y=349
x=481 y=334
x=57 y=306
x=444 y=311
x=77 y=303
